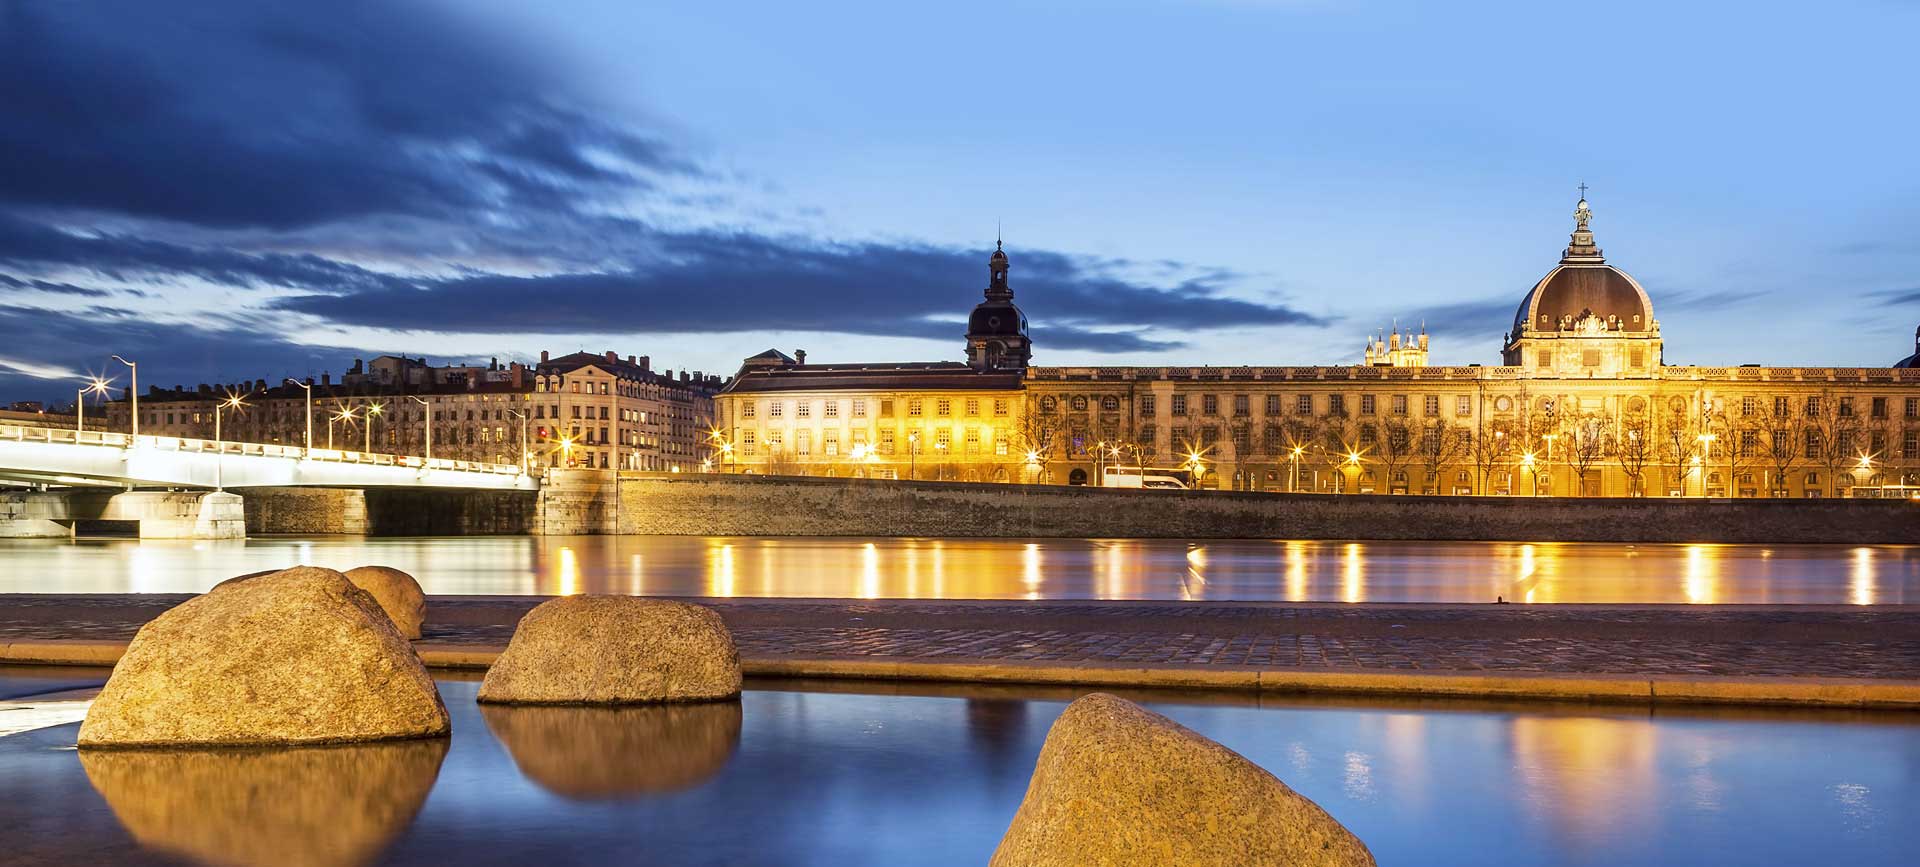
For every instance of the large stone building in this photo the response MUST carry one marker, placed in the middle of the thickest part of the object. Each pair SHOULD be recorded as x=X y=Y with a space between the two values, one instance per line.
x=580 y=410
x=1584 y=403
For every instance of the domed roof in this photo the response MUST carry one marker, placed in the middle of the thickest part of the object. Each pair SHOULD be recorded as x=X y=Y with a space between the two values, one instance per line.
x=1584 y=291
x=1911 y=362
x=996 y=318
x=1572 y=292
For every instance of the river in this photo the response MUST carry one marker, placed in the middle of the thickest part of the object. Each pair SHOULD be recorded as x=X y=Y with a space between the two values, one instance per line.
x=897 y=568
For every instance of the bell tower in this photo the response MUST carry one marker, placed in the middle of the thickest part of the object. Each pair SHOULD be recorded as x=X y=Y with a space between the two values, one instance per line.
x=997 y=330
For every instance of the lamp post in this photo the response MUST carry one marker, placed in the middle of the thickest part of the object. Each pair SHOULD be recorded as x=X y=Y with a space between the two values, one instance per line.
x=1705 y=460
x=373 y=409
x=428 y=454
x=97 y=386
x=1293 y=478
x=1549 y=438
x=525 y=455
x=344 y=414
x=940 y=469
x=309 y=390
x=1526 y=462
x=913 y=454
x=133 y=393
x=1353 y=460
x=233 y=401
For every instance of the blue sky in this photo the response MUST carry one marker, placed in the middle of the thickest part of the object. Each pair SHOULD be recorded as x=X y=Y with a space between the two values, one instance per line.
x=237 y=190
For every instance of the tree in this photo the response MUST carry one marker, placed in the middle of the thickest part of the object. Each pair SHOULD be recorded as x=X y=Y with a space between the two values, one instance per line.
x=1341 y=446
x=1394 y=446
x=1589 y=439
x=1037 y=433
x=1634 y=448
x=1492 y=451
x=1834 y=430
x=1442 y=444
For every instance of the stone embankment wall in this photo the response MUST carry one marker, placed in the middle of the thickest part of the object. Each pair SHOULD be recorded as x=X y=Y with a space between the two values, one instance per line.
x=779 y=506
x=389 y=511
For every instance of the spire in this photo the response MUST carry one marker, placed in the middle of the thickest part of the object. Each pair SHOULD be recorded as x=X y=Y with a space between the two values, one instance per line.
x=1581 y=248
x=997 y=288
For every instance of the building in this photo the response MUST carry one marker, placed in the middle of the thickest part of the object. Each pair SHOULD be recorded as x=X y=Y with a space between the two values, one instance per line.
x=1584 y=403
x=931 y=420
x=493 y=413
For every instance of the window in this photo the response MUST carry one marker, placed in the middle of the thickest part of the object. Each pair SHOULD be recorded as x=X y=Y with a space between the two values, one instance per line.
x=973 y=406
x=1147 y=406
x=999 y=442
x=1430 y=405
x=775 y=439
x=1590 y=358
x=1336 y=404
x=830 y=409
x=886 y=442
x=972 y=440
x=830 y=442
x=1146 y=439
x=1079 y=403
x=1636 y=357
x=1879 y=407
x=859 y=408
x=1463 y=405
x=746 y=409
x=1813 y=406
x=1846 y=407
x=774 y=408
x=1813 y=444
x=1546 y=359
x=1210 y=404
x=943 y=407
x=1240 y=404
x=1749 y=443
x=1000 y=407
x=603 y=414
x=1109 y=403
x=1366 y=404
x=886 y=407
x=802 y=442
x=1179 y=404
x=802 y=408
x=943 y=440
x=1273 y=404
x=1749 y=406
x=1399 y=404
x=913 y=406
x=1910 y=445
x=1303 y=404
x=1781 y=407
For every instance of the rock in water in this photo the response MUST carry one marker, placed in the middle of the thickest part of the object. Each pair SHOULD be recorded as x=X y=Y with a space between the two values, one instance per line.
x=398 y=594
x=1117 y=784
x=615 y=650
x=315 y=806
x=606 y=753
x=301 y=656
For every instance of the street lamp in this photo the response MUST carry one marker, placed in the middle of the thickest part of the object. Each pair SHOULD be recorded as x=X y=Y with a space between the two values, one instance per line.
x=429 y=414
x=233 y=401
x=525 y=456
x=373 y=409
x=1293 y=481
x=1353 y=460
x=1549 y=438
x=1706 y=454
x=913 y=454
x=133 y=392
x=97 y=386
x=309 y=389
x=345 y=414
x=1526 y=462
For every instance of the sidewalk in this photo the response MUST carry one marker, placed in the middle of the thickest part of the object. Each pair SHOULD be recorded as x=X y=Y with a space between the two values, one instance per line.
x=1821 y=655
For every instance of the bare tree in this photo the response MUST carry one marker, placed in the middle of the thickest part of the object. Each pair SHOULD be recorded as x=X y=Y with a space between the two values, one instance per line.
x=1635 y=447
x=1589 y=439
x=1492 y=451
x=1394 y=447
x=1442 y=444
x=1834 y=431
x=1037 y=434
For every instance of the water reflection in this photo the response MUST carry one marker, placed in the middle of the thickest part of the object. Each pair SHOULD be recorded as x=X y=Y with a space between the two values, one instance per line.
x=1293 y=570
x=594 y=753
x=318 y=806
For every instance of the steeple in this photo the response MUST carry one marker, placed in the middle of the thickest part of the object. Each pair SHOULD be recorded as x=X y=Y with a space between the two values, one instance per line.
x=997 y=330
x=1581 y=249
x=997 y=288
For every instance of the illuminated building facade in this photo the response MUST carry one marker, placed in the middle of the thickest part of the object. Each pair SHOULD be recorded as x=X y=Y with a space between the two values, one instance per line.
x=1583 y=404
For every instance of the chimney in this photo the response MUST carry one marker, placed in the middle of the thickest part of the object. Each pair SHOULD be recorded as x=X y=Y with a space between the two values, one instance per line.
x=494 y=363
x=683 y=376
x=326 y=378
x=800 y=356
x=646 y=363
x=543 y=356
x=629 y=359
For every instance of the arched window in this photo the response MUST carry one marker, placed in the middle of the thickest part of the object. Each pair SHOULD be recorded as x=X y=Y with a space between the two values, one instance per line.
x=1049 y=403
x=1110 y=403
x=1079 y=403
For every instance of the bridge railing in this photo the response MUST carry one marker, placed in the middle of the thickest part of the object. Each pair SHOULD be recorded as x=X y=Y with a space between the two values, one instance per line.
x=20 y=433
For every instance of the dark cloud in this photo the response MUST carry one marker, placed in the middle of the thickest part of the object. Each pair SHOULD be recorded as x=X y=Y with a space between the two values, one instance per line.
x=770 y=284
x=1898 y=296
x=26 y=245
x=1488 y=317
x=242 y=113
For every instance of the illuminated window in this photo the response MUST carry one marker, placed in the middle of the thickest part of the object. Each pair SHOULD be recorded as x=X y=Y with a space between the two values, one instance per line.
x=1463 y=405
x=913 y=406
x=972 y=441
x=1000 y=406
x=1210 y=404
x=831 y=409
x=859 y=408
x=774 y=408
x=943 y=407
x=803 y=408
x=1430 y=404
x=1303 y=404
x=1147 y=406
x=886 y=442
x=1179 y=404
x=973 y=406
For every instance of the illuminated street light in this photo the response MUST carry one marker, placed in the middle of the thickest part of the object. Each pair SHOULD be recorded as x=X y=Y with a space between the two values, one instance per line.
x=309 y=389
x=1293 y=481
x=345 y=414
x=97 y=386
x=373 y=409
x=233 y=401
x=429 y=414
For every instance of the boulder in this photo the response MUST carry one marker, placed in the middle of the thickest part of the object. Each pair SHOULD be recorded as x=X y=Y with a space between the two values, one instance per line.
x=615 y=650
x=601 y=753
x=398 y=594
x=323 y=806
x=301 y=656
x=1119 y=784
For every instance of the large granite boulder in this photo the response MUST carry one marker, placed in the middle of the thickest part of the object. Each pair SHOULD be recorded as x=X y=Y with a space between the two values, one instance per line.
x=301 y=656
x=324 y=806
x=615 y=650
x=398 y=594
x=601 y=753
x=1121 y=785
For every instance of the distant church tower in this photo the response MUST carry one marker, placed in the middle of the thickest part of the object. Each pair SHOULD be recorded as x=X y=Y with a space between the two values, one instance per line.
x=997 y=330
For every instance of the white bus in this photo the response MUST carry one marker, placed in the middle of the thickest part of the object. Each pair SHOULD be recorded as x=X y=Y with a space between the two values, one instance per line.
x=1162 y=478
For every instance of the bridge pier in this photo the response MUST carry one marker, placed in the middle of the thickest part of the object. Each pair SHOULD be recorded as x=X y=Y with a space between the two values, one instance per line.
x=158 y=514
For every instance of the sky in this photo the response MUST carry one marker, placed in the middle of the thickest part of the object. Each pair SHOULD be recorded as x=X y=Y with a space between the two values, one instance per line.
x=229 y=190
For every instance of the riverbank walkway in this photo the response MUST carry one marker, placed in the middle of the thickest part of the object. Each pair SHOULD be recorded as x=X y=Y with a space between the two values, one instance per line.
x=1731 y=654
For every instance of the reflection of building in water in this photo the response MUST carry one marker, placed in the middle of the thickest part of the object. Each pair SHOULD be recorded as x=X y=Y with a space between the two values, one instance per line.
x=318 y=806
x=996 y=727
x=1584 y=402
x=1588 y=777
x=597 y=753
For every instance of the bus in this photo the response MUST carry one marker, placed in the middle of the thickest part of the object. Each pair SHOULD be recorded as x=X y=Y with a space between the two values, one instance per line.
x=1160 y=478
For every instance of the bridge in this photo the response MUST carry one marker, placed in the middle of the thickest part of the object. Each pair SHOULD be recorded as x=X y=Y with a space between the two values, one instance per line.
x=195 y=474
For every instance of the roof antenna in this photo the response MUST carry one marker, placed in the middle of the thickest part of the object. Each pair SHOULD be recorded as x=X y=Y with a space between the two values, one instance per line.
x=996 y=233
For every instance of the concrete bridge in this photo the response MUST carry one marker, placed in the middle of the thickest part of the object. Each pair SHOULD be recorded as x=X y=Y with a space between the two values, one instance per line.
x=197 y=472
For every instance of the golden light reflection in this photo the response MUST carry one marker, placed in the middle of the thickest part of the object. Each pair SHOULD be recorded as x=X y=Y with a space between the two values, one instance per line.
x=569 y=572
x=1703 y=575
x=1860 y=578
x=939 y=570
x=720 y=576
x=1296 y=571
x=1529 y=566
x=1113 y=572
x=1031 y=574
x=1587 y=776
x=870 y=571
x=636 y=576
x=1353 y=575
x=1195 y=584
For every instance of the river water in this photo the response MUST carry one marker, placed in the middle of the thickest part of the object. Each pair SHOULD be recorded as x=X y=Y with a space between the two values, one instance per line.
x=813 y=774
x=895 y=568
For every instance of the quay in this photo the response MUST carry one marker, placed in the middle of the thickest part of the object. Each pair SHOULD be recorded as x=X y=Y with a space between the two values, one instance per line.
x=1833 y=656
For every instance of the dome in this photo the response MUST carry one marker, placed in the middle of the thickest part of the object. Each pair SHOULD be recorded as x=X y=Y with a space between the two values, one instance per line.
x=1572 y=292
x=997 y=318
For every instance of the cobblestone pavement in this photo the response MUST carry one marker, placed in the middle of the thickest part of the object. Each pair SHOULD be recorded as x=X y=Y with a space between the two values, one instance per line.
x=1738 y=640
